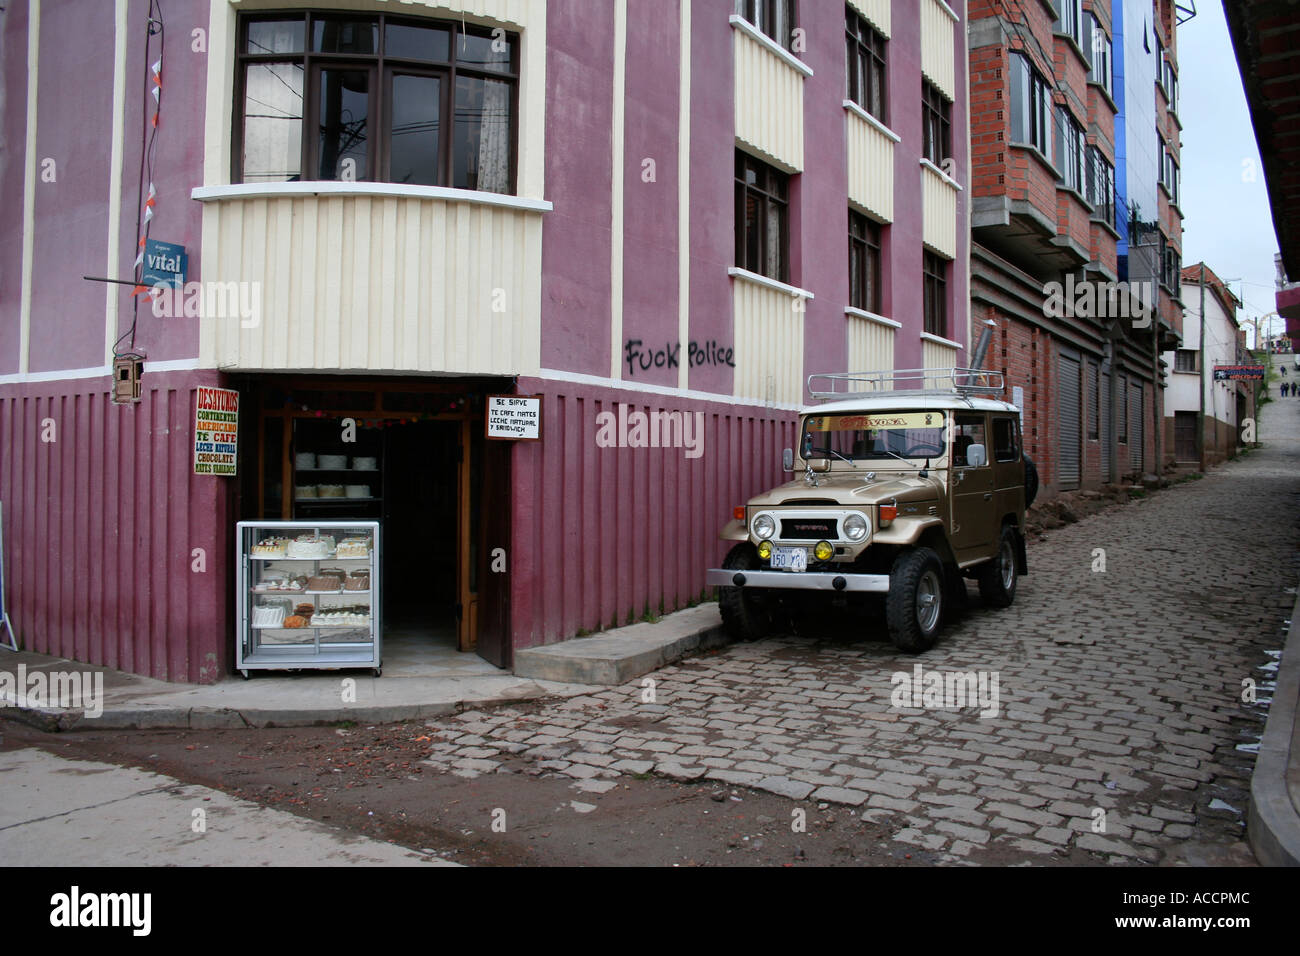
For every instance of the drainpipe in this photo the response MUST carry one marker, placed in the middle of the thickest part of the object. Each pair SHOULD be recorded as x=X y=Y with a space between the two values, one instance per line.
x=981 y=347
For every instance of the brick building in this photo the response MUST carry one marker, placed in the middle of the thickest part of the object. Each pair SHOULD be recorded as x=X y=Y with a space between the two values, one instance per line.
x=1075 y=227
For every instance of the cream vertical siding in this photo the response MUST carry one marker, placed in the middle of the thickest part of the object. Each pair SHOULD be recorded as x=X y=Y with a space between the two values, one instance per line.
x=871 y=166
x=938 y=355
x=373 y=282
x=877 y=11
x=937 y=30
x=769 y=103
x=871 y=344
x=769 y=343
x=939 y=212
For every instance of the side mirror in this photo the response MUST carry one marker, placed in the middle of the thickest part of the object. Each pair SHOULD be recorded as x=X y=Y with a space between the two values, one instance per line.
x=787 y=460
x=976 y=457
x=819 y=465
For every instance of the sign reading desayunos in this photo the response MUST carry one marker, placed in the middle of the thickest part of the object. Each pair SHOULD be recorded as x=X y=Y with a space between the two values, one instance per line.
x=216 y=430
x=514 y=417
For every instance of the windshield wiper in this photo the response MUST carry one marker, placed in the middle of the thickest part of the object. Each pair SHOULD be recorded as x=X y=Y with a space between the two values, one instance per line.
x=832 y=451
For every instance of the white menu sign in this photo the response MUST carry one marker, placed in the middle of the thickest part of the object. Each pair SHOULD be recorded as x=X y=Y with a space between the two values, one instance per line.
x=514 y=417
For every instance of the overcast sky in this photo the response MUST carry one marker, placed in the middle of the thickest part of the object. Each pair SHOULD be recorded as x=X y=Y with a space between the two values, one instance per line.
x=1227 y=223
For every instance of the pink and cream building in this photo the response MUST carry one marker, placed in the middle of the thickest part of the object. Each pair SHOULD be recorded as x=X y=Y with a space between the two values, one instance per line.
x=395 y=209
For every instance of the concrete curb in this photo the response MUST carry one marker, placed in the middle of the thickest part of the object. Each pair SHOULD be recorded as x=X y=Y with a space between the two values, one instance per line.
x=1274 y=821
x=625 y=653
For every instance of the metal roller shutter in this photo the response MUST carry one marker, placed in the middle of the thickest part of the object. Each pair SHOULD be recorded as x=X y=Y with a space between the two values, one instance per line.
x=1070 y=421
x=1136 y=423
x=1105 y=426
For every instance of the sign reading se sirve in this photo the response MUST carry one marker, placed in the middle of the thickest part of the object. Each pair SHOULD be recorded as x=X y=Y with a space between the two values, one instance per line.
x=514 y=417
x=216 y=431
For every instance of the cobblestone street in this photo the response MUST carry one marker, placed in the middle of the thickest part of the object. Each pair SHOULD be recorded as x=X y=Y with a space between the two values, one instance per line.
x=1121 y=733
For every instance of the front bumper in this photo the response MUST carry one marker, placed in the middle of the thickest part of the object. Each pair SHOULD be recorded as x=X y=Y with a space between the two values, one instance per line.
x=798 y=580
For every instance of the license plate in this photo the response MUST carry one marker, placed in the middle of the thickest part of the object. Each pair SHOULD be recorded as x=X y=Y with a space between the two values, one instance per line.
x=790 y=559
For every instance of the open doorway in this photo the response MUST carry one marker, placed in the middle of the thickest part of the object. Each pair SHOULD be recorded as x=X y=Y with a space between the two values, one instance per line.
x=421 y=514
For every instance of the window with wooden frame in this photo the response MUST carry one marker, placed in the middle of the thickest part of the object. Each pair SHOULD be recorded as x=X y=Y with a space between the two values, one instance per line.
x=935 y=294
x=774 y=18
x=372 y=97
x=865 y=57
x=936 y=124
x=864 y=263
x=762 y=218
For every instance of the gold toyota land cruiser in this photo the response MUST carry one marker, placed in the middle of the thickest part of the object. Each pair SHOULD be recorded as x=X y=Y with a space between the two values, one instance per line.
x=910 y=480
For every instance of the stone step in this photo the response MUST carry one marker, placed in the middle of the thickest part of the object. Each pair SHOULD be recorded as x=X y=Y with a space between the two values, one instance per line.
x=617 y=656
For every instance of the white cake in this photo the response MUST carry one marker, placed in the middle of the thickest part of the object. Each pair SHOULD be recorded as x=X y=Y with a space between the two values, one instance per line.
x=365 y=464
x=356 y=491
x=332 y=462
x=310 y=546
x=305 y=459
x=268 y=616
x=354 y=548
x=270 y=548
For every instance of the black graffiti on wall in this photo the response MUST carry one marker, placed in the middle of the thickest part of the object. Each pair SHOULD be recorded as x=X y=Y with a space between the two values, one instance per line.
x=697 y=354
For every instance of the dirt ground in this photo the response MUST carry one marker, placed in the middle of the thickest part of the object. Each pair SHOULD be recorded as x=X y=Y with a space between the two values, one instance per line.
x=370 y=780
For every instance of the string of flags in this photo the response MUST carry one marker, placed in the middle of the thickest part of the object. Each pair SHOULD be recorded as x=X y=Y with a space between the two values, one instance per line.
x=151 y=199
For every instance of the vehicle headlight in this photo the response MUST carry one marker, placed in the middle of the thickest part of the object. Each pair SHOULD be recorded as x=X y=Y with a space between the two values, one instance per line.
x=764 y=526
x=855 y=527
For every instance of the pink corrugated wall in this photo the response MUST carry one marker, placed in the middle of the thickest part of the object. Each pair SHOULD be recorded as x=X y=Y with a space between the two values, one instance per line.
x=101 y=524
x=603 y=533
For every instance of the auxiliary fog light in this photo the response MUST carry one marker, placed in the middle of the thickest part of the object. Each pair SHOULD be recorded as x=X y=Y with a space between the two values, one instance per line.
x=855 y=527
x=823 y=551
x=765 y=549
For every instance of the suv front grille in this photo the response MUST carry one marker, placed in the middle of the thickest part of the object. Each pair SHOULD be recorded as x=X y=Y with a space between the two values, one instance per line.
x=808 y=529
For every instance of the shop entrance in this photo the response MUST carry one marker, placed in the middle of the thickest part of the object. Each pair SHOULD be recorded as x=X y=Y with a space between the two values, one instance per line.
x=410 y=455
x=420 y=520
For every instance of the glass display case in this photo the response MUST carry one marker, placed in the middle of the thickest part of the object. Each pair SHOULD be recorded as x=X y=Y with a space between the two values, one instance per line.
x=307 y=595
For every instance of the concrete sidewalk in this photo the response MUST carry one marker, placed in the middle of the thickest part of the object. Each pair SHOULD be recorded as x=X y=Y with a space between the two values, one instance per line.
x=304 y=698
x=1274 y=824
x=60 y=812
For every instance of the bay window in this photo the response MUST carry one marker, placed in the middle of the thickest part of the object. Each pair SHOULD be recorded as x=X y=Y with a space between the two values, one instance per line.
x=337 y=96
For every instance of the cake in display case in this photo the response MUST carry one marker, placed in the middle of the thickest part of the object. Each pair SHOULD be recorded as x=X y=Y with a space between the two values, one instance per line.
x=308 y=595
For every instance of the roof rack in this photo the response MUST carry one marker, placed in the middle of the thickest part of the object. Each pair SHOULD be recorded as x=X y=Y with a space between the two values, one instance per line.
x=915 y=382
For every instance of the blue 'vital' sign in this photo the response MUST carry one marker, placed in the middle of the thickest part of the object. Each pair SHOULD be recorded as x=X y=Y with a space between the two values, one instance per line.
x=165 y=264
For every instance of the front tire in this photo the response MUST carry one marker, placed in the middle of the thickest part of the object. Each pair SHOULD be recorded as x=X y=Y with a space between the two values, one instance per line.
x=914 y=607
x=746 y=612
x=997 y=578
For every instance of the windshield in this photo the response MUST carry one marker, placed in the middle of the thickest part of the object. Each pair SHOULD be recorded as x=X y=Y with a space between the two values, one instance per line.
x=874 y=436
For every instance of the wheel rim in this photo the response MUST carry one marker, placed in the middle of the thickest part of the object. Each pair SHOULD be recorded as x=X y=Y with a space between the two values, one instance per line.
x=928 y=600
x=1007 y=566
